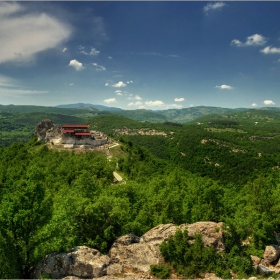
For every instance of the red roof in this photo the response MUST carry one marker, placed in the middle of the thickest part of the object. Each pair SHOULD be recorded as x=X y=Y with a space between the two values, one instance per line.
x=82 y=133
x=77 y=126
x=68 y=130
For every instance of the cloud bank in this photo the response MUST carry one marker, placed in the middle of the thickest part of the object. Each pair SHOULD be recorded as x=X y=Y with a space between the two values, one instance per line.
x=254 y=40
x=224 y=87
x=270 y=50
x=213 y=7
x=179 y=99
x=110 y=100
x=18 y=32
x=268 y=102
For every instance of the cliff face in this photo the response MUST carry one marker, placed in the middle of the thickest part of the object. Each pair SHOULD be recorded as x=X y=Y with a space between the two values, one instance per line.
x=129 y=256
x=46 y=130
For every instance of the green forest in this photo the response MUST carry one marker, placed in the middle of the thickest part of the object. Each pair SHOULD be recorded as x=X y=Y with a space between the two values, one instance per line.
x=210 y=169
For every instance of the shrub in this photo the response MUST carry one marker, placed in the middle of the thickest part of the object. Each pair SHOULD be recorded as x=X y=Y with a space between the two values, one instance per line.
x=161 y=271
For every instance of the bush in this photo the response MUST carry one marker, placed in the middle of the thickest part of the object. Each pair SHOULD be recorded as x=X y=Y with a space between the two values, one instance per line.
x=161 y=271
x=192 y=260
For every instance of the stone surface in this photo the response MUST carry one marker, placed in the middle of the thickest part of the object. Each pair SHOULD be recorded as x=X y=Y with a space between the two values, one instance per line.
x=212 y=233
x=42 y=128
x=264 y=270
x=138 y=254
x=270 y=255
x=128 y=255
x=256 y=261
x=81 y=261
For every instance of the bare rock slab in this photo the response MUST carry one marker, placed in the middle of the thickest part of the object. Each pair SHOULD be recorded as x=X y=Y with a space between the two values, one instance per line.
x=81 y=261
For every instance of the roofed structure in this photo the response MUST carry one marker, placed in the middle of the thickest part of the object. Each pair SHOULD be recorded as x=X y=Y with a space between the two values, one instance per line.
x=75 y=126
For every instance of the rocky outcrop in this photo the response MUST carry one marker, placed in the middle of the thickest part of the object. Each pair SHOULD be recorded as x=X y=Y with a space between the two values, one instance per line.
x=270 y=262
x=46 y=130
x=128 y=254
x=81 y=261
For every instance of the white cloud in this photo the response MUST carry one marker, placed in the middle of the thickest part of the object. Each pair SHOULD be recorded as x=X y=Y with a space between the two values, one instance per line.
x=254 y=105
x=93 y=51
x=268 y=102
x=270 y=50
x=119 y=84
x=176 y=106
x=129 y=82
x=9 y=8
x=213 y=6
x=179 y=99
x=154 y=103
x=99 y=67
x=76 y=64
x=64 y=50
x=107 y=85
x=137 y=97
x=17 y=32
x=253 y=40
x=110 y=100
x=224 y=87
x=118 y=92
x=138 y=103
x=110 y=57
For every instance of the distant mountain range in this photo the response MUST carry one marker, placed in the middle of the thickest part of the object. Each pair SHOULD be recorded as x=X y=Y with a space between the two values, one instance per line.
x=87 y=110
x=77 y=105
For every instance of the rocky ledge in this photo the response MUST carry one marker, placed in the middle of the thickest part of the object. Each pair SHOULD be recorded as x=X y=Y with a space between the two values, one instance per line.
x=130 y=256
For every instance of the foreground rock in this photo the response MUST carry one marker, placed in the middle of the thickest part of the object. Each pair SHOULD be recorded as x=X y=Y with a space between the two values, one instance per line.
x=270 y=262
x=82 y=262
x=129 y=255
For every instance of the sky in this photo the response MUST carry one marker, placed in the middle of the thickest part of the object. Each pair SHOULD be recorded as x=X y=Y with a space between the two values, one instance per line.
x=140 y=55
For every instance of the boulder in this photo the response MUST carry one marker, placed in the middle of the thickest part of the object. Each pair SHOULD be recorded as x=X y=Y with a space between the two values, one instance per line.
x=270 y=255
x=81 y=262
x=137 y=254
x=212 y=234
x=129 y=254
x=264 y=270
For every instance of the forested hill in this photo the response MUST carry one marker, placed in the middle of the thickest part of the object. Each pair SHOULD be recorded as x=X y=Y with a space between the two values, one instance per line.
x=222 y=168
x=55 y=200
x=232 y=148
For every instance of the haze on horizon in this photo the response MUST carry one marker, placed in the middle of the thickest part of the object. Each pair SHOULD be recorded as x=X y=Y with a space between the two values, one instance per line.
x=133 y=55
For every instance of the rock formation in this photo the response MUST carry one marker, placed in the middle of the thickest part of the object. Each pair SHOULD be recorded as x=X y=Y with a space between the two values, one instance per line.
x=81 y=261
x=129 y=253
x=270 y=262
x=46 y=130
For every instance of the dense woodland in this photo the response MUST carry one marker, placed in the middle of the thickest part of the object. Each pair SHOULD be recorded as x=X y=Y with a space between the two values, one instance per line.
x=53 y=200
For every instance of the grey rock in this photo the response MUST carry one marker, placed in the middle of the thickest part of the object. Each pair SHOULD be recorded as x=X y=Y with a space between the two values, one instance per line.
x=129 y=253
x=264 y=270
x=81 y=261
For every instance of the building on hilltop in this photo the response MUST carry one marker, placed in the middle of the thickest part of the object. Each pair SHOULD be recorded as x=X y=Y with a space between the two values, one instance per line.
x=76 y=130
x=70 y=135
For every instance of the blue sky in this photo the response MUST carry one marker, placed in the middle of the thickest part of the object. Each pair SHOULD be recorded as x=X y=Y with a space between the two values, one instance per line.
x=131 y=55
